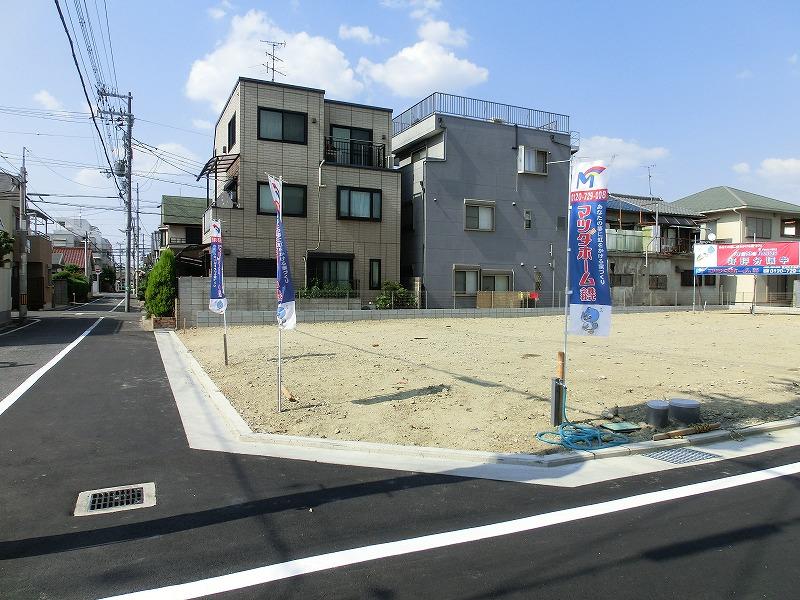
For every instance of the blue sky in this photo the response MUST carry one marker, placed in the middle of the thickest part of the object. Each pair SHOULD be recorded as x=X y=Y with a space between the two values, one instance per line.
x=706 y=91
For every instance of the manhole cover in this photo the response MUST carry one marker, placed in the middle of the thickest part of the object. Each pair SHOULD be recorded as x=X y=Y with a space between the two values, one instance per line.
x=127 y=497
x=679 y=456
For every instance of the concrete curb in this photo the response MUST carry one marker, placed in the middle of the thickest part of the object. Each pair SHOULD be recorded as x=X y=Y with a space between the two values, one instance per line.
x=243 y=433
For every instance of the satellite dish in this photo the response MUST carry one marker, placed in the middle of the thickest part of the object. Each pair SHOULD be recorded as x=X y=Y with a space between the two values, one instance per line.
x=712 y=237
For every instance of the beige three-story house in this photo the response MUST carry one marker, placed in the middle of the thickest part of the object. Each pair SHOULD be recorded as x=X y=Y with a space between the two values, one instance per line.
x=341 y=199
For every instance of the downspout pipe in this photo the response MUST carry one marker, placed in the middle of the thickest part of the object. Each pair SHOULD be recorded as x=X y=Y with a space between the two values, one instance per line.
x=320 y=185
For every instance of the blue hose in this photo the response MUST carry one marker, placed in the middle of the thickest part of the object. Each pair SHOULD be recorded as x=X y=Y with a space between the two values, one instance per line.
x=577 y=436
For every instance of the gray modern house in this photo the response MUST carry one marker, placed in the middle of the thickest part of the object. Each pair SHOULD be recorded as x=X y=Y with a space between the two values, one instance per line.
x=483 y=201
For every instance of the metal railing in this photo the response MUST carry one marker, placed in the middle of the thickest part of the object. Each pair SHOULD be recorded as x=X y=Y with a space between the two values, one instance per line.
x=359 y=153
x=484 y=110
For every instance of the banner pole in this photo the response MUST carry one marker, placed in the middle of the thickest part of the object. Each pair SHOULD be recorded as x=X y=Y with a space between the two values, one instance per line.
x=225 y=336
x=280 y=408
x=566 y=281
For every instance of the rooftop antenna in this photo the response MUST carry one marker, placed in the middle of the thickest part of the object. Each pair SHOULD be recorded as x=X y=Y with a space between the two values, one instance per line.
x=271 y=55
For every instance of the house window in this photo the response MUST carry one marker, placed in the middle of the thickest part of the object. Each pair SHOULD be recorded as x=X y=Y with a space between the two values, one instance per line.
x=336 y=272
x=294 y=200
x=561 y=223
x=194 y=235
x=282 y=126
x=478 y=217
x=709 y=280
x=658 y=282
x=527 y=219
x=790 y=228
x=374 y=274
x=761 y=228
x=256 y=267
x=687 y=279
x=232 y=132
x=495 y=283
x=357 y=203
x=466 y=282
x=532 y=160
x=622 y=280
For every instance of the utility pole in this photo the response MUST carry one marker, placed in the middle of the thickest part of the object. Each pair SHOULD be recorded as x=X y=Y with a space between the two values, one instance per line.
x=128 y=184
x=86 y=256
x=136 y=254
x=23 y=240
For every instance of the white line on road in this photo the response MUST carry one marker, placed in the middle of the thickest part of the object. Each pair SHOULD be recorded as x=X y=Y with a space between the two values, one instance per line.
x=117 y=306
x=33 y=322
x=313 y=564
x=6 y=402
x=84 y=304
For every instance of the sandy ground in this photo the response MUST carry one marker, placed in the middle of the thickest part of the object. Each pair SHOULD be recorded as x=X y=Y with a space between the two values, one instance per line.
x=485 y=383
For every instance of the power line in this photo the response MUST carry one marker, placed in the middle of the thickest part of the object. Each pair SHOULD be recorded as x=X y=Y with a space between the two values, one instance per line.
x=85 y=93
x=85 y=137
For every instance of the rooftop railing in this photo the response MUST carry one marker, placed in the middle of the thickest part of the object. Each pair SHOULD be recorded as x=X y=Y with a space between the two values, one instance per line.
x=483 y=110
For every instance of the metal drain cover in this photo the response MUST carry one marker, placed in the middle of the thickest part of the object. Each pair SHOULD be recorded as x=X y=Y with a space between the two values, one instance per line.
x=105 y=500
x=680 y=456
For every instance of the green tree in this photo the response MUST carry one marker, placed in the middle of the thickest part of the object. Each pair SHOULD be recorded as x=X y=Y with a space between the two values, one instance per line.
x=6 y=245
x=159 y=298
x=77 y=284
x=108 y=277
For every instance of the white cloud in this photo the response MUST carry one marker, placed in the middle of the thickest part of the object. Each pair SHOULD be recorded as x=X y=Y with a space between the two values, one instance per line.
x=420 y=9
x=219 y=11
x=785 y=170
x=440 y=32
x=360 y=33
x=47 y=100
x=93 y=178
x=793 y=59
x=423 y=68
x=742 y=168
x=307 y=60
x=619 y=153
x=744 y=74
x=202 y=124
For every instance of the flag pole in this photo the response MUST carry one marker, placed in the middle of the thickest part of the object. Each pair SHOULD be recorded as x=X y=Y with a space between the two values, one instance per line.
x=225 y=336
x=279 y=215
x=566 y=282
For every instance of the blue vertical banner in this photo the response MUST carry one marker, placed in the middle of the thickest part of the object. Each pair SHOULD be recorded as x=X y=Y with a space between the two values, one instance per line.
x=589 y=280
x=287 y=318
x=217 y=302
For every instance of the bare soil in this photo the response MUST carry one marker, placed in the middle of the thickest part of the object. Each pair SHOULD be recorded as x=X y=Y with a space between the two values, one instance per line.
x=484 y=384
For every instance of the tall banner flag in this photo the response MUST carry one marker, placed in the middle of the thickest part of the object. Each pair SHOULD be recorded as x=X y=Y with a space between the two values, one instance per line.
x=217 y=302
x=590 y=291
x=287 y=319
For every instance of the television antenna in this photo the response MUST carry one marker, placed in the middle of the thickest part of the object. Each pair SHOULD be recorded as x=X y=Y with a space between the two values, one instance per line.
x=272 y=56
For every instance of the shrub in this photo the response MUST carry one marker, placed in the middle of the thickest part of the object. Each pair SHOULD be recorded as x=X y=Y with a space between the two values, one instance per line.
x=108 y=277
x=328 y=290
x=140 y=292
x=394 y=295
x=6 y=245
x=77 y=284
x=159 y=298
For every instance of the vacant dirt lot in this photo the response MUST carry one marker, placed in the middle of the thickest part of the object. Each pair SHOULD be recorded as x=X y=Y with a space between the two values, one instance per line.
x=485 y=383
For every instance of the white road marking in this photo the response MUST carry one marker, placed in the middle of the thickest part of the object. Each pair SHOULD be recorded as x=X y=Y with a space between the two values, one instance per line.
x=6 y=402
x=322 y=562
x=33 y=322
x=84 y=304
x=117 y=306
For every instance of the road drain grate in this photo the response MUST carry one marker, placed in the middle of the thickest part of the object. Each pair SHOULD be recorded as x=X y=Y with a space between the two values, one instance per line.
x=107 y=500
x=680 y=456
x=115 y=498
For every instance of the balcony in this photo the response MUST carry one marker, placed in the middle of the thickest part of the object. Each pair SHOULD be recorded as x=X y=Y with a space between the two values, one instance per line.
x=482 y=110
x=359 y=153
x=624 y=241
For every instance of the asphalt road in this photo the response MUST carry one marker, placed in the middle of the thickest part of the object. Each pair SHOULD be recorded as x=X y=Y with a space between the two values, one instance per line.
x=105 y=416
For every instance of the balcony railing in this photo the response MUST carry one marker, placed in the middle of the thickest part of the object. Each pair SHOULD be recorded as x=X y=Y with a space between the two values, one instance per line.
x=624 y=241
x=483 y=110
x=359 y=153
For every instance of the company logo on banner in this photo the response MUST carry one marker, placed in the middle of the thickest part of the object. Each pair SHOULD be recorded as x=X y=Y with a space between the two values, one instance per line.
x=590 y=291
x=287 y=318
x=216 y=299
x=756 y=258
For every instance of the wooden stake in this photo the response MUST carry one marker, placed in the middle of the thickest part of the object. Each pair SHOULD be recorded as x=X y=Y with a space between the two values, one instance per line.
x=560 y=365
x=701 y=428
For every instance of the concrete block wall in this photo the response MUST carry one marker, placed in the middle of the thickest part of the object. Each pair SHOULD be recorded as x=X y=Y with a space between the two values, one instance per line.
x=244 y=295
